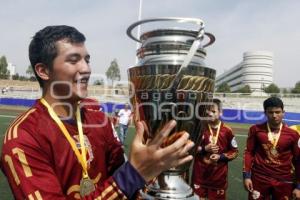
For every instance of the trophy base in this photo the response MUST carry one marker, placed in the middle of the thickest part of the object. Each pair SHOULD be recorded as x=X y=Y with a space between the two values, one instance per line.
x=171 y=186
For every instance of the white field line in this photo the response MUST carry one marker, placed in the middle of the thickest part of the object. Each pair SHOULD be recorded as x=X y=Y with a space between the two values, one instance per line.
x=236 y=178
x=8 y=116
x=241 y=135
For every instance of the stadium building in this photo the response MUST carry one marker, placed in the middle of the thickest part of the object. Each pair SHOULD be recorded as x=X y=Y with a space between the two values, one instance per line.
x=12 y=69
x=256 y=70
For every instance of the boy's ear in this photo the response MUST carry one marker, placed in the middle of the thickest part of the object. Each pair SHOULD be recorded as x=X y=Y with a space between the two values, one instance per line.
x=42 y=71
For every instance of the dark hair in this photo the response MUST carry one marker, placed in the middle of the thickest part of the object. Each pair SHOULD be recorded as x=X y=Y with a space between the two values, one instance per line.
x=273 y=102
x=218 y=103
x=43 y=49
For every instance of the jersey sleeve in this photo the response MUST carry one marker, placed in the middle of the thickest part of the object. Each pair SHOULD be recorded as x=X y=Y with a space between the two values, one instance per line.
x=296 y=159
x=232 y=151
x=115 y=153
x=31 y=174
x=28 y=169
x=249 y=153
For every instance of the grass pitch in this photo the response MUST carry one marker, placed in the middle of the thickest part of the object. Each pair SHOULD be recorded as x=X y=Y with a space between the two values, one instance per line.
x=235 y=190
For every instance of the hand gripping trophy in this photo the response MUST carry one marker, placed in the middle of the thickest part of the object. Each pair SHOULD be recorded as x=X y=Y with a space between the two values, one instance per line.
x=171 y=81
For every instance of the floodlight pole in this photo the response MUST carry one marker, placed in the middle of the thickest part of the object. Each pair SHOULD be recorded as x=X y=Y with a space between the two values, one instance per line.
x=139 y=29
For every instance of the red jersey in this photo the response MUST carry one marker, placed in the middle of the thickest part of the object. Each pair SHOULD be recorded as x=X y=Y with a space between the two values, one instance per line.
x=261 y=159
x=214 y=175
x=40 y=163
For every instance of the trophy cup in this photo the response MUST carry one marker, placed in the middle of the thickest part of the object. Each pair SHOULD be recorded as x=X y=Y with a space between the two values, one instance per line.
x=171 y=81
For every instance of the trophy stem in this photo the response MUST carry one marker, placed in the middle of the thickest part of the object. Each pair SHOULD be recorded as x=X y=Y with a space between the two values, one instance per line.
x=169 y=185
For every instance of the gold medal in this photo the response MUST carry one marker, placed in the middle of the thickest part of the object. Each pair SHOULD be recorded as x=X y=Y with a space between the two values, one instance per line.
x=274 y=138
x=214 y=139
x=86 y=186
x=274 y=152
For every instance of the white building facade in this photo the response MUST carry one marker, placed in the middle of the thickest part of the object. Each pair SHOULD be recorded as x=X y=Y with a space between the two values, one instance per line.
x=11 y=68
x=256 y=70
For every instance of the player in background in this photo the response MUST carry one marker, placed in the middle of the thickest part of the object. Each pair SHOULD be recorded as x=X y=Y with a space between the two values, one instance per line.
x=272 y=148
x=218 y=147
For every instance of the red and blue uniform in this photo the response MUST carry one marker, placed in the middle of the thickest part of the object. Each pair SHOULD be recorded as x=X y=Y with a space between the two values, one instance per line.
x=210 y=179
x=272 y=173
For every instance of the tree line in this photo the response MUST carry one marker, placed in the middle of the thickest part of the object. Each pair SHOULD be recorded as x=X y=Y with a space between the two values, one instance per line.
x=5 y=74
x=112 y=73
x=270 y=89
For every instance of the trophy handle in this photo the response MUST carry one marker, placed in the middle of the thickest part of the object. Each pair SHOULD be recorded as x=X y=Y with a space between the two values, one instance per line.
x=196 y=21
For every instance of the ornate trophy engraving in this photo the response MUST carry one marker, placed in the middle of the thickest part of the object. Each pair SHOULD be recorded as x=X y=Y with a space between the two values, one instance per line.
x=171 y=81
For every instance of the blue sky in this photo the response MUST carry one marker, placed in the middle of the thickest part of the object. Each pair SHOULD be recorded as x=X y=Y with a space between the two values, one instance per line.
x=239 y=26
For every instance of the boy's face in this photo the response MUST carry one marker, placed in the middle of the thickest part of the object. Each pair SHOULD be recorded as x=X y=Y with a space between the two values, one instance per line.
x=274 y=115
x=71 y=71
x=213 y=113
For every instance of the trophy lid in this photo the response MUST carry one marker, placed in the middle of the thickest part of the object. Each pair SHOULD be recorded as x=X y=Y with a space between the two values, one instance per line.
x=168 y=32
x=168 y=46
x=171 y=45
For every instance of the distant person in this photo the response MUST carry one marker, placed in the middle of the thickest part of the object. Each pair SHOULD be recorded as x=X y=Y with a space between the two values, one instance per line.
x=125 y=116
x=3 y=91
x=63 y=146
x=218 y=147
x=272 y=150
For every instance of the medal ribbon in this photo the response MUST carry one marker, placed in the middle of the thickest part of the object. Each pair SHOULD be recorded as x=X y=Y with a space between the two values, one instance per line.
x=214 y=138
x=80 y=156
x=274 y=139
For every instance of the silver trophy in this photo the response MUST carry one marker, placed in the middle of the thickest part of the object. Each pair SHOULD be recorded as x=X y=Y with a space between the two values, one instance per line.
x=171 y=81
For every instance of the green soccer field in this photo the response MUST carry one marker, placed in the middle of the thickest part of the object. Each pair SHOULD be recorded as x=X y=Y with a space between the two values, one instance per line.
x=235 y=190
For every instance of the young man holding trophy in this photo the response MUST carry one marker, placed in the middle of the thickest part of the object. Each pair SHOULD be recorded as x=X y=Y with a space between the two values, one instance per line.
x=218 y=147
x=62 y=149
